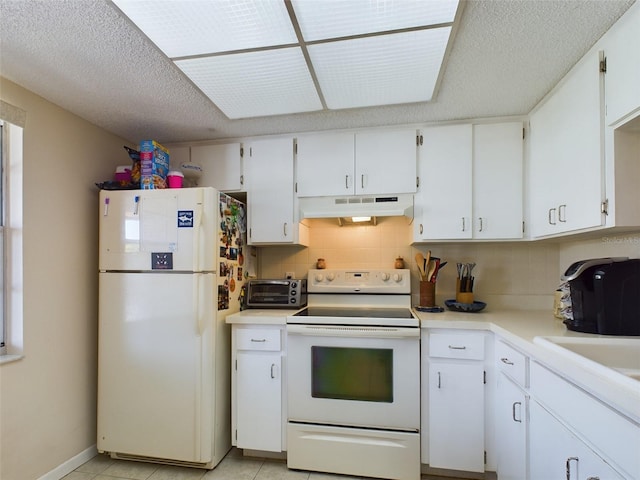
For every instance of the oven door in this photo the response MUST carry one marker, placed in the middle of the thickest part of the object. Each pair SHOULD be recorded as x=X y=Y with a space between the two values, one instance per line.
x=354 y=376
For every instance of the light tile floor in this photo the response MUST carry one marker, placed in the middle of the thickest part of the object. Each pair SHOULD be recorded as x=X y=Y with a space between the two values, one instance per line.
x=234 y=466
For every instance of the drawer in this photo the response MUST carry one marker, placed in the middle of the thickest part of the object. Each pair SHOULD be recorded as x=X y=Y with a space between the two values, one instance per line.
x=264 y=339
x=451 y=345
x=513 y=363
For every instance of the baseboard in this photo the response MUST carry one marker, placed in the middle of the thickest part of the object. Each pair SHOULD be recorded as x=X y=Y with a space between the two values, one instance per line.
x=71 y=464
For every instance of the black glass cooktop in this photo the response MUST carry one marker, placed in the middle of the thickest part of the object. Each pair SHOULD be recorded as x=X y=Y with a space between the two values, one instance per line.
x=358 y=312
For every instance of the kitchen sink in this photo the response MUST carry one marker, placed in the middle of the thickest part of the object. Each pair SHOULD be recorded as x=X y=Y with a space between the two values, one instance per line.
x=620 y=354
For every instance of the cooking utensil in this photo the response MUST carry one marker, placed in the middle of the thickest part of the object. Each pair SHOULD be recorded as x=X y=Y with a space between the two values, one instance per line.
x=420 y=260
x=436 y=266
x=432 y=269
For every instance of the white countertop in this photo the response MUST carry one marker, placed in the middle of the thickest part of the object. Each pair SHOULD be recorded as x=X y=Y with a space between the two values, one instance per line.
x=519 y=328
x=273 y=316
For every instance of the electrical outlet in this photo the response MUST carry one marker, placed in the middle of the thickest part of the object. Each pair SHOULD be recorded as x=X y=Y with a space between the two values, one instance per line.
x=290 y=275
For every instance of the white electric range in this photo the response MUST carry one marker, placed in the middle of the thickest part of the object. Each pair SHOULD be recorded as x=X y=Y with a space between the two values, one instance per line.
x=354 y=376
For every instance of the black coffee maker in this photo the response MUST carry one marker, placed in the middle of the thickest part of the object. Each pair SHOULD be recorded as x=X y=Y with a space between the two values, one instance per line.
x=605 y=296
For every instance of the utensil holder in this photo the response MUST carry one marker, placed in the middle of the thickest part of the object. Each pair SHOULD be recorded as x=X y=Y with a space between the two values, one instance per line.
x=427 y=294
x=463 y=297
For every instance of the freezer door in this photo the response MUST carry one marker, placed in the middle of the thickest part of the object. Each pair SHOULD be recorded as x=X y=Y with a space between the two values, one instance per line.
x=157 y=365
x=169 y=229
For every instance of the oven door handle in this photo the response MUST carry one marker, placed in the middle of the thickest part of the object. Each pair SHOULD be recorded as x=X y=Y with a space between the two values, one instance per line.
x=352 y=331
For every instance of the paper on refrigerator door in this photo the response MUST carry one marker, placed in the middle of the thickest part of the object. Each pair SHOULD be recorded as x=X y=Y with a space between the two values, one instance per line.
x=158 y=229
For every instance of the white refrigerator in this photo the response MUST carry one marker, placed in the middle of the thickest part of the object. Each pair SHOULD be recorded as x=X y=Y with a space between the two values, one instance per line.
x=171 y=268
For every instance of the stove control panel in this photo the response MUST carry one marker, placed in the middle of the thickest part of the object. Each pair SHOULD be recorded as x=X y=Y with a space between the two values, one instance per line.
x=389 y=281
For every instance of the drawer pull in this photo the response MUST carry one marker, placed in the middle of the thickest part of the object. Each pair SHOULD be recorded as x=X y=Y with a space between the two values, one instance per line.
x=453 y=347
x=439 y=381
x=273 y=366
x=506 y=361
x=513 y=412
x=258 y=340
x=568 y=466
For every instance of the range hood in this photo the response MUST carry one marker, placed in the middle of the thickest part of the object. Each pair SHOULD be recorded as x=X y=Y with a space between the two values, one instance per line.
x=400 y=205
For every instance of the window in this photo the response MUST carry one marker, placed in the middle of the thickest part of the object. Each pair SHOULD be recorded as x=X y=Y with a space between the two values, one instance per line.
x=12 y=120
x=3 y=348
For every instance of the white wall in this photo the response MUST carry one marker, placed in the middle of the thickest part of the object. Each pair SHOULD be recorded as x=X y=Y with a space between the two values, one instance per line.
x=48 y=399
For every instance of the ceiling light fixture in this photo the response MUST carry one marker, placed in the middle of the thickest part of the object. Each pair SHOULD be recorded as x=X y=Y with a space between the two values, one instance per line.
x=256 y=58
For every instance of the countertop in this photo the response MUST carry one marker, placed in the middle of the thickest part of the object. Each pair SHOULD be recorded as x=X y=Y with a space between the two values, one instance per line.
x=519 y=328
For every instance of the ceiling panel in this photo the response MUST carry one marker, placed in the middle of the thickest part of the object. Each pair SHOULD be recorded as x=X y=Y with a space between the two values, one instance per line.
x=269 y=82
x=380 y=70
x=323 y=19
x=196 y=27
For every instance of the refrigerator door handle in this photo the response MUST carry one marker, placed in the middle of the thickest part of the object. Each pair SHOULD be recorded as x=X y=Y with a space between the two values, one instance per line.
x=200 y=311
x=197 y=228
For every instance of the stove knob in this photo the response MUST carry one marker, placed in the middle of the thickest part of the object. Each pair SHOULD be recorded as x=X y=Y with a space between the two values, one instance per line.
x=385 y=276
x=397 y=277
x=330 y=277
x=319 y=277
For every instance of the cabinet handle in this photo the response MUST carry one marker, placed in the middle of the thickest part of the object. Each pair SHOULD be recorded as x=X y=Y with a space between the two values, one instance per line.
x=439 y=381
x=258 y=340
x=346 y=182
x=362 y=181
x=549 y=216
x=561 y=213
x=568 y=466
x=241 y=179
x=480 y=229
x=506 y=361
x=273 y=367
x=463 y=224
x=285 y=229
x=453 y=347
x=513 y=412
x=593 y=478
x=421 y=229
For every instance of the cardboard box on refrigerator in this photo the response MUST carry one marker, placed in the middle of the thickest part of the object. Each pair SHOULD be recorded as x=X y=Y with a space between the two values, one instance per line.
x=154 y=165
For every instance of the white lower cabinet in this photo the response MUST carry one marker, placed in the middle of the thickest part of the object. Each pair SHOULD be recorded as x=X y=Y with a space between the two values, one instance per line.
x=454 y=401
x=556 y=453
x=512 y=419
x=511 y=412
x=257 y=386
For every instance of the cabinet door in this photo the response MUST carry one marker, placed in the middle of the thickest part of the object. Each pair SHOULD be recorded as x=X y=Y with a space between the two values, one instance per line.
x=221 y=166
x=270 y=191
x=566 y=160
x=325 y=164
x=386 y=162
x=259 y=401
x=622 y=80
x=557 y=453
x=497 y=180
x=456 y=416
x=511 y=426
x=445 y=185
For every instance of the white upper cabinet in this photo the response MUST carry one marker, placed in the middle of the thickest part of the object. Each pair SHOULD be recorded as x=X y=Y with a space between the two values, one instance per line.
x=386 y=162
x=325 y=164
x=376 y=162
x=221 y=166
x=622 y=80
x=272 y=216
x=565 y=177
x=445 y=183
x=497 y=181
x=470 y=182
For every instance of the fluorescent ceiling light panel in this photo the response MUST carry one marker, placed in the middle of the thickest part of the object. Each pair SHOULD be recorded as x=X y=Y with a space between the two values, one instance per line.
x=323 y=19
x=195 y=27
x=254 y=84
x=380 y=70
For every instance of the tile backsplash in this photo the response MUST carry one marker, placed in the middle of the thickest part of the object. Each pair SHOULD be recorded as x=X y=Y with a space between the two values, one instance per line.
x=513 y=274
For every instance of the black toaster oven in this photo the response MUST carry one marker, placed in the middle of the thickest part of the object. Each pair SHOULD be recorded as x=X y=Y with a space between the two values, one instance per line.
x=277 y=293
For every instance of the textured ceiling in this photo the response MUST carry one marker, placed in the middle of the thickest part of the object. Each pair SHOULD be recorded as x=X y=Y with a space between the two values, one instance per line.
x=86 y=57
